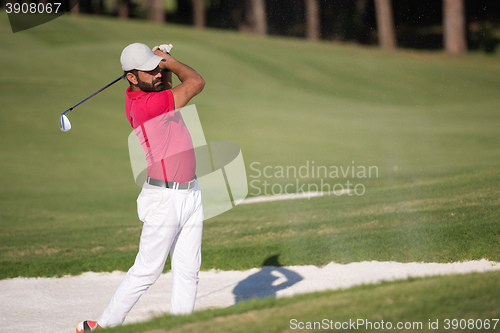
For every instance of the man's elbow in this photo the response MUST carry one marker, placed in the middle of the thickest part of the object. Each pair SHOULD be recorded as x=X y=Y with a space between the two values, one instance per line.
x=200 y=84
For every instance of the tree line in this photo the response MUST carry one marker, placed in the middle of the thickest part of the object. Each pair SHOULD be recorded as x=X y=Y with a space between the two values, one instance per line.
x=452 y=25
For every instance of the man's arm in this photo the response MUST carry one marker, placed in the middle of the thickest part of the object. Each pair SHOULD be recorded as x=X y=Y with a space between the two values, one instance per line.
x=166 y=79
x=191 y=82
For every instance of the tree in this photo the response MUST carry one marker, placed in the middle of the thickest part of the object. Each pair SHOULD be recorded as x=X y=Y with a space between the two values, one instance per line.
x=100 y=7
x=123 y=9
x=385 y=24
x=312 y=19
x=74 y=6
x=454 y=32
x=256 y=13
x=155 y=11
x=199 y=14
x=362 y=33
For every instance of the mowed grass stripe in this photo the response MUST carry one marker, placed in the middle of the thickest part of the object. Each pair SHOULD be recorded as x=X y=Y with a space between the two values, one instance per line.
x=390 y=224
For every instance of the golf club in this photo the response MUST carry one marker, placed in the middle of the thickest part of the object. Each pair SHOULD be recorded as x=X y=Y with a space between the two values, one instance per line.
x=64 y=124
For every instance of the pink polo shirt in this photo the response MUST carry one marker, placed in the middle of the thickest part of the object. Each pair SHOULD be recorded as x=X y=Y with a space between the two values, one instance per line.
x=163 y=135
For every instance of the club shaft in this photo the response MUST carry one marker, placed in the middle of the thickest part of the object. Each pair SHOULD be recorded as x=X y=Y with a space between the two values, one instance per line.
x=71 y=108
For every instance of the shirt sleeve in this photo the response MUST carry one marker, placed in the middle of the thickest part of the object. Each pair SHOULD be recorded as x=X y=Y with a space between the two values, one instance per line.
x=160 y=103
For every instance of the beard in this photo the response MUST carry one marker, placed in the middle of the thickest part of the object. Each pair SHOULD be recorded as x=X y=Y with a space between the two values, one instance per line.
x=150 y=87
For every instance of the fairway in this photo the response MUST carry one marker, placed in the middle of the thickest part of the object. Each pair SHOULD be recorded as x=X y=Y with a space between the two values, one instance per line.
x=302 y=113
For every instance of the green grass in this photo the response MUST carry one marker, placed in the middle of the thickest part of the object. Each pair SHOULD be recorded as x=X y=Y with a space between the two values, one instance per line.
x=414 y=302
x=450 y=219
x=429 y=123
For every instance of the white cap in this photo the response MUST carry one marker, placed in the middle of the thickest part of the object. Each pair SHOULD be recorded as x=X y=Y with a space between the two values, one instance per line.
x=139 y=56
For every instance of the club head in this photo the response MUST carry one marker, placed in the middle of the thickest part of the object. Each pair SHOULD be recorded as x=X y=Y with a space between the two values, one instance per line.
x=64 y=124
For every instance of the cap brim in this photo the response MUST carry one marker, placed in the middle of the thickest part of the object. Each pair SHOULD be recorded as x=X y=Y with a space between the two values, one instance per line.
x=150 y=64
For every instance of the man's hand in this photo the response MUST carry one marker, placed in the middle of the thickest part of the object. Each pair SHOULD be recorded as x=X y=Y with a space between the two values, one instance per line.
x=165 y=48
x=164 y=52
x=191 y=82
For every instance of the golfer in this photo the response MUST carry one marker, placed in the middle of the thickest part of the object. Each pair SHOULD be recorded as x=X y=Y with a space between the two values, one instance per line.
x=169 y=204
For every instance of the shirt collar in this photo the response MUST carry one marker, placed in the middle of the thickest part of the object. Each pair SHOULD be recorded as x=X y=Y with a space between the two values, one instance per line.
x=135 y=94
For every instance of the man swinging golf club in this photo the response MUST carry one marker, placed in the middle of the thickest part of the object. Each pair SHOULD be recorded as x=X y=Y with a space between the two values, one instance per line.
x=169 y=204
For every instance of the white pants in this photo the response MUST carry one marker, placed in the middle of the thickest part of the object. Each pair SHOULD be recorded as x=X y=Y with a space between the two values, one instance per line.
x=173 y=222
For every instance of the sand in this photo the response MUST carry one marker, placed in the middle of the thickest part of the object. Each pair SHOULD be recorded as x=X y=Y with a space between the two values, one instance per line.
x=29 y=304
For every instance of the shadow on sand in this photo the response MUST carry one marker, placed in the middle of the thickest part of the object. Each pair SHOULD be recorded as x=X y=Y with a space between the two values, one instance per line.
x=267 y=282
